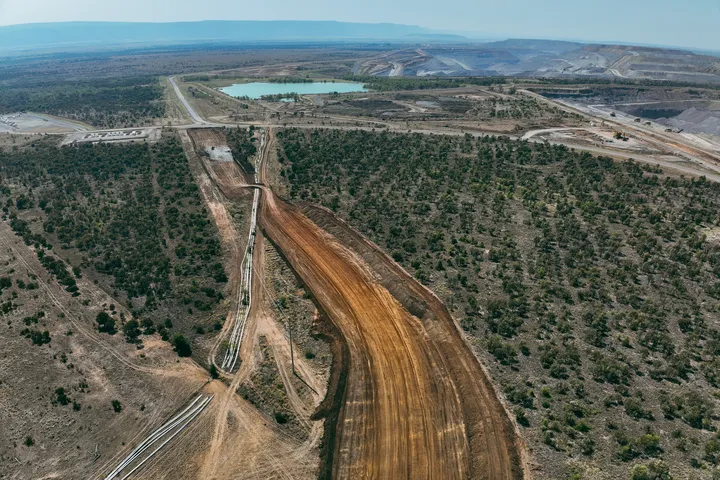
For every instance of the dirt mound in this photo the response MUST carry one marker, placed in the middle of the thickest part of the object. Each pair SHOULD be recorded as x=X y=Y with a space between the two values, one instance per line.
x=697 y=121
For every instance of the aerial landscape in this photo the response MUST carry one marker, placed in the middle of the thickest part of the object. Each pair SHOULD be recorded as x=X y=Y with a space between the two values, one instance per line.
x=407 y=241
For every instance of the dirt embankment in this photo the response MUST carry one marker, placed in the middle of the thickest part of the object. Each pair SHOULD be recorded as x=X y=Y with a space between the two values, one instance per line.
x=416 y=403
x=398 y=284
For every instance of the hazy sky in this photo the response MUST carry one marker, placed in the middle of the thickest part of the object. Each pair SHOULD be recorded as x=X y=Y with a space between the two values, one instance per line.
x=692 y=23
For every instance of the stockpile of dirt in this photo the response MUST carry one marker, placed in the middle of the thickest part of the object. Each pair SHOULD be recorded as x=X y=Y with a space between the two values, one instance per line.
x=694 y=120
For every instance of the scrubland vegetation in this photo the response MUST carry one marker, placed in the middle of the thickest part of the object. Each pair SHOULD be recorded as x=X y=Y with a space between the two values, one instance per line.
x=386 y=84
x=106 y=103
x=128 y=216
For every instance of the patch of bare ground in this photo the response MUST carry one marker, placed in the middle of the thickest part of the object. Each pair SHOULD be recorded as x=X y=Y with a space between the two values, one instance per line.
x=206 y=104
x=8 y=141
x=713 y=235
x=287 y=315
x=226 y=176
x=215 y=105
x=265 y=390
x=271 y=174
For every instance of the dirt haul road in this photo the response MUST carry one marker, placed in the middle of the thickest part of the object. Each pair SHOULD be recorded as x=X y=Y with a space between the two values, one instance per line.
x=414 y=406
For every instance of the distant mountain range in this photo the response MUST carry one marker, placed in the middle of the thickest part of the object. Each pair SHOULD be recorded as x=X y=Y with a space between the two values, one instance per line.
x=74 y=35
x=425 y=52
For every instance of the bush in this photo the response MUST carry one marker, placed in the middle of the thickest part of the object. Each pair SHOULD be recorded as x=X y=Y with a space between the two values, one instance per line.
x=653 y=471
x=647 y=445
x=61 y=397
x=610 y=370
x=503 y=352
x=640 y=472
x=117 y=406
x=37 y=337
x=6 y=282
x=634 y=408
x=697 y=411
x=521 y=417
x=182 y=346
x=692 y=407
x=712 y=449
x=520 y=395
x=106 y=324
x=587 y=446
x=148 y=326
x=131 y=329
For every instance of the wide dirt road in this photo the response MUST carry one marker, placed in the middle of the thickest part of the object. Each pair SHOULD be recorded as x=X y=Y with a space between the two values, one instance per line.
x=406 y=410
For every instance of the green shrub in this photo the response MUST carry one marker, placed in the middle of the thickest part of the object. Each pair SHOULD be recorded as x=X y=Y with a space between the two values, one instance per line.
x=182 y=346
x=106 y=324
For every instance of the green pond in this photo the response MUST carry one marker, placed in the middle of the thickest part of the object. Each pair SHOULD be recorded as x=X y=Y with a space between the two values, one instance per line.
x=258 y=89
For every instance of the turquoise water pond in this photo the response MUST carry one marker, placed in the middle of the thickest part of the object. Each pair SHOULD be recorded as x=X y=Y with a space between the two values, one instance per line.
x=258 y=89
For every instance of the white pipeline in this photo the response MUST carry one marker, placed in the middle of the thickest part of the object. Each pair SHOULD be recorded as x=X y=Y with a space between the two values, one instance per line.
x=182 y=419
x=246 y=283
x=162 y=430
x=197 y=411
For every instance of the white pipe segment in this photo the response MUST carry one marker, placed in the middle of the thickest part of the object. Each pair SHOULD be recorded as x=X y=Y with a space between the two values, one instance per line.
x=196 y=411
x=157 y=435
x=236 y=336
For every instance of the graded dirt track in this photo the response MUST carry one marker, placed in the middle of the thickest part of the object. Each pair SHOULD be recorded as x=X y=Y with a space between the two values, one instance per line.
x=415 y=405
